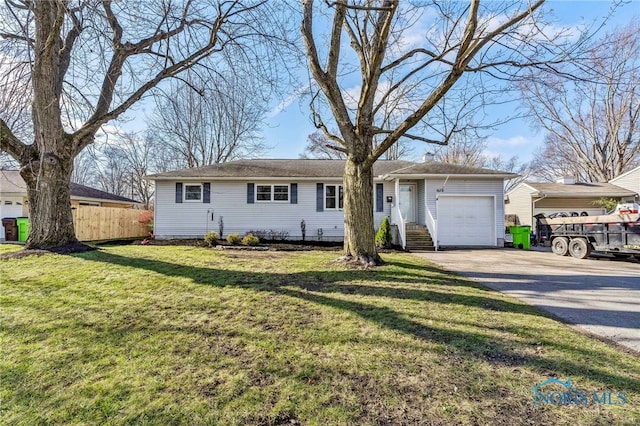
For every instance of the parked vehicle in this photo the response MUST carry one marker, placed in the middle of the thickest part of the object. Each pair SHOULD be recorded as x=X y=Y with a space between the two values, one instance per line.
x=617 y=234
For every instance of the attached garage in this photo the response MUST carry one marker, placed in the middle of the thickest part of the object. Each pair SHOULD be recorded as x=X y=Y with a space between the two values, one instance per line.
x=466 y=220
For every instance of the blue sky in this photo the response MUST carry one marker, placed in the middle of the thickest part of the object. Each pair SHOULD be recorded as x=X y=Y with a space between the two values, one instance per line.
x=286 y=130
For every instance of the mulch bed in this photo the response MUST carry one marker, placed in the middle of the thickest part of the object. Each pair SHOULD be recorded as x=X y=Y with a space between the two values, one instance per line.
x=268 y=245
x=76 y=247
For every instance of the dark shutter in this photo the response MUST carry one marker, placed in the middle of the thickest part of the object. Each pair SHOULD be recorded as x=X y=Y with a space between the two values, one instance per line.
x=178 y=192
x=294 y=193
x=379 y=197
x=250 y=196
x=319 y=197
x=206 y=192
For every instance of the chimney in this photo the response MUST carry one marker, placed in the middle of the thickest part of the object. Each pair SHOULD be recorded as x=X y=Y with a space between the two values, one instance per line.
x=567 y=180
x=428 y=156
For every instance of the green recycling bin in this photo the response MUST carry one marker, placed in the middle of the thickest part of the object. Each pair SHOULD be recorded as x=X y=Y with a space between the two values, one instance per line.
x=23 y=228
x=521 y=236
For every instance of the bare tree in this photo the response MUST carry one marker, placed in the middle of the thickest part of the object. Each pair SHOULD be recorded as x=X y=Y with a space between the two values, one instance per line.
x=471 y=151
x=113 y=170
x=83 y=64
x=512 y=165
x=591 y=120
x=85 y=167
x=464 y=45
x=210 y=120
x=140 y=156
x=465 y=151
x=318 y=146
x=118 y=164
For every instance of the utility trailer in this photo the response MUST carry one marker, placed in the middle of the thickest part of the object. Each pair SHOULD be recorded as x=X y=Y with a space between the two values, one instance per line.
x=617 y=234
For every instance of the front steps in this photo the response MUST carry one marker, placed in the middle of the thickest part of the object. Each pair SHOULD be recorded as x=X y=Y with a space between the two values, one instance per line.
x=418 y=238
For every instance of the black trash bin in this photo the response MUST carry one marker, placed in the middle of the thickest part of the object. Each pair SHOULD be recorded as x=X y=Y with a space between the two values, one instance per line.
x=10 y=228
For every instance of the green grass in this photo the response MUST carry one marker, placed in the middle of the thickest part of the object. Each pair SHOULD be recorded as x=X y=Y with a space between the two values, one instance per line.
x=185 y=335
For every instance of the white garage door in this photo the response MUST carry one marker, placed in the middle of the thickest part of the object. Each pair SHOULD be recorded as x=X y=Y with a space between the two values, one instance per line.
x=466 y=221
x=9 y=207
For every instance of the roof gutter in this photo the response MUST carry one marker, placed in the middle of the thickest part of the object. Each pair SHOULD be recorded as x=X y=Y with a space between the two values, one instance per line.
x=389 y=176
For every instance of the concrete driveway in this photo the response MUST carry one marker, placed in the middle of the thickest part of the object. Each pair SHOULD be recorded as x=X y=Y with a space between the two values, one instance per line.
x=600 y=295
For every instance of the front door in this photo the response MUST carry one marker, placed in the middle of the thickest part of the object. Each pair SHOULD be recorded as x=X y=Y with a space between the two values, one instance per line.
x=407 y=201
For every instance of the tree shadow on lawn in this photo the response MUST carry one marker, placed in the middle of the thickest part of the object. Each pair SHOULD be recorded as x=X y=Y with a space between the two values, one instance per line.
x=314 y=286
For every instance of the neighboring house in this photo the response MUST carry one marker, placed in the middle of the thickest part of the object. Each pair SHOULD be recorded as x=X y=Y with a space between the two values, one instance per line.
x=565 y=196
x=14 y=202
x=629 y=180
x=458 y=206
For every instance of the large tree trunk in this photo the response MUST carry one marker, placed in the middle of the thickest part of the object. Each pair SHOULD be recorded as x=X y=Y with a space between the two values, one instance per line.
x=359 y=233
x=48 y=163
x=50 y=220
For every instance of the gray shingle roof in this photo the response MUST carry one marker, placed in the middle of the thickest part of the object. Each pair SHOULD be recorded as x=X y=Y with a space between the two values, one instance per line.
x=277 y=168
x=12 y=183
x=595 y=189
x=439 y=168
x=317 y=168
x=78 y=190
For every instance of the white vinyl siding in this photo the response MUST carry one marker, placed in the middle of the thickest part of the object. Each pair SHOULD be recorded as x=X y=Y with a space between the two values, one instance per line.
x=388 y=189
x=520 y=204
x=229 y=200
x=629 y=180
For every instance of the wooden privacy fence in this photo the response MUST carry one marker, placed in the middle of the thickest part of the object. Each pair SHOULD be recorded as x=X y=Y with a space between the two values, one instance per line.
x=107 y=223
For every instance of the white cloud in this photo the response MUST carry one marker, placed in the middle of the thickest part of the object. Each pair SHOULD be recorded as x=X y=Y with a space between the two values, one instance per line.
x=288 y=101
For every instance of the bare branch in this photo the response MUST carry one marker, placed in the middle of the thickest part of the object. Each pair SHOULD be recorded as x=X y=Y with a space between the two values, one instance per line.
x=444 y=141
x=462 y=60
x=358 y=7
x=9 y=143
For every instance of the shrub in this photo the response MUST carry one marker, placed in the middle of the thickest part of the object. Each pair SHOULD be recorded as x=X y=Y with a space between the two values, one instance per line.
x=260 y=233
x=250 y=240
x=609 y=204
x=275 y=235
x=211 y=238
x=234 y=239
x=383 y=236
x=146 y=217
x=270 y=235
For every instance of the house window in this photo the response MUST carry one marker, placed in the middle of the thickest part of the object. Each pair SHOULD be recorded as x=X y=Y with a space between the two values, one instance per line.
x=280 y=192
x=333 y=197
x=193 y=192
x=263 y=193
x=272 y=193
x=8 y=203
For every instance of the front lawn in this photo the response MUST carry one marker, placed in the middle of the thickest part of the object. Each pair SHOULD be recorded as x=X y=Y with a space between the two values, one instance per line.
x=188 y=335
